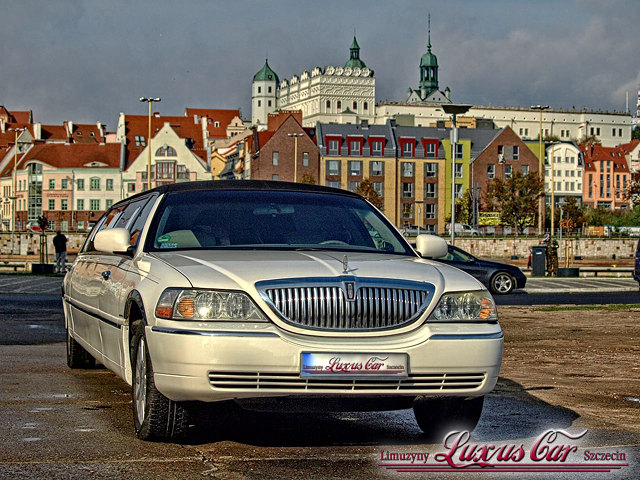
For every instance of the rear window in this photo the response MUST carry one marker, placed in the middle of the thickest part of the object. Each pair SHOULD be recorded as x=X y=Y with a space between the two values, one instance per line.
x=250 y=219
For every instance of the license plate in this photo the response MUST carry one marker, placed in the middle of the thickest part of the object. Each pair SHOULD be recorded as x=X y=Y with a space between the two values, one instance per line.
x=352 y=365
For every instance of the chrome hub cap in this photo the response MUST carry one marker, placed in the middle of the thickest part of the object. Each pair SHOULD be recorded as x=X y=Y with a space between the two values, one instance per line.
x=502 y=283
x=140 y=382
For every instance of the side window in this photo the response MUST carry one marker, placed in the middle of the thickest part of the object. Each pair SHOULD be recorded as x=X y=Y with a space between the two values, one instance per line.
x=130 y=213
x=88 y=244
x=138 y=224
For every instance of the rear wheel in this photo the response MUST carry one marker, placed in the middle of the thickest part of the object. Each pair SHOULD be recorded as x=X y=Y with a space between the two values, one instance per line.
x=502 y=283
x=439 y=416
x=77 y=355
x=155 y=417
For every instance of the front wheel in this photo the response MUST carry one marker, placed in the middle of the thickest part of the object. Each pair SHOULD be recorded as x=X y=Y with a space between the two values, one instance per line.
x=502 y=283
x=155 y=417
x=439 y=416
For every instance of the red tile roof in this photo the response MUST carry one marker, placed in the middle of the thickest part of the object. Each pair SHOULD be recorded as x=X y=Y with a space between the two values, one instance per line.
x=53 y=132
x=597 y=153
x=138 y=125
x=628 y=147
x=222 y=116
x=16 y=116
x=83 y=133
x=74 y=155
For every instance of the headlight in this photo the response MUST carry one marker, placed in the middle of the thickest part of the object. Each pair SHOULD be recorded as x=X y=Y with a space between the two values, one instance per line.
x=465 y=307
x=207 y=305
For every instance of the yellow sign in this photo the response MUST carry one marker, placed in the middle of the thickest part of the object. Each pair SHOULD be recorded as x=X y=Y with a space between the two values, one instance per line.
x=489 y=218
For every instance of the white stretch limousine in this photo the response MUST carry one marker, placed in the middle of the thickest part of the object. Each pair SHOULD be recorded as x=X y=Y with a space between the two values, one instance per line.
x=266 y=291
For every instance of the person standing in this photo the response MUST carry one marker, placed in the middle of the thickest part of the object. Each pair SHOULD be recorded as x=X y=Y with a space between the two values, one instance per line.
x=60 y=244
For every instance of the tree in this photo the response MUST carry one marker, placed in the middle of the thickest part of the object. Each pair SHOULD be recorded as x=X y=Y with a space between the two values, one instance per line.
x=308 y=178
x=516 y=198
x=366 y=190
x=635 y=133
x=633 y=193
x=573 y=214
x=464 y=208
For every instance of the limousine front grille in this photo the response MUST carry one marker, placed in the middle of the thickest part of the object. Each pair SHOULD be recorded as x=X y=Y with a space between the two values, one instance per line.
x=432 y=382
x=346 y=304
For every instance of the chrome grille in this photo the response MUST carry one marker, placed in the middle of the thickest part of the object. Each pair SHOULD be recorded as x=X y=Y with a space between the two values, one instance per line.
x=324 y=304
x=431 y=382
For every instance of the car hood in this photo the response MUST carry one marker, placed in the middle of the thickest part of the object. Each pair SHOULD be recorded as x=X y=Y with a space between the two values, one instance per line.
x=241 y=270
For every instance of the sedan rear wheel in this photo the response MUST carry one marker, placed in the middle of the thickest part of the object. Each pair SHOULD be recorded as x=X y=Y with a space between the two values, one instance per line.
x=155 y=417
x=502 y=283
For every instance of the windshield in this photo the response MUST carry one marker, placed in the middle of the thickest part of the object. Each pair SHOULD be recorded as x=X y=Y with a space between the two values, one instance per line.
x=250 y=219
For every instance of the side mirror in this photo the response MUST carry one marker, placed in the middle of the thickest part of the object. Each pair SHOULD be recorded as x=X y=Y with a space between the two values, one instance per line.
x=431 y=246
x=112 y=240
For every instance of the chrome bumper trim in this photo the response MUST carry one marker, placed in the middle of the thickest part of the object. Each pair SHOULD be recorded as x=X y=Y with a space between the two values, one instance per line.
x=469 y=336
x=216 y=333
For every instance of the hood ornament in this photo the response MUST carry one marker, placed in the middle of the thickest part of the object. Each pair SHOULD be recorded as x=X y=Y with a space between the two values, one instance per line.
x=345 y=264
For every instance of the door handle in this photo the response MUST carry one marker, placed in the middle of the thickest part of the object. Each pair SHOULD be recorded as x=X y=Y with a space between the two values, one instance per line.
x=106 y=274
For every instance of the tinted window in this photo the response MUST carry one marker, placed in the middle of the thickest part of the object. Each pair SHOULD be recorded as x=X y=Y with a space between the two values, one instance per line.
x=457 y=255
x=270 y=220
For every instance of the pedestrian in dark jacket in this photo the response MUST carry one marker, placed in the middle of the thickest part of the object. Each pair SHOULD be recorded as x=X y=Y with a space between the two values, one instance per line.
x=60 y=244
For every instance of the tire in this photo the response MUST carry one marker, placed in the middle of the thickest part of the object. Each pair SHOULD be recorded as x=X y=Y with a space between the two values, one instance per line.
x=155 y=417
x=439 y=416
x=77 y=356
x=502 y=283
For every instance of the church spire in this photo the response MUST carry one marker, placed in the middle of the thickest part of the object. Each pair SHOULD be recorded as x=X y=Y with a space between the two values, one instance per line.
x=429 y=35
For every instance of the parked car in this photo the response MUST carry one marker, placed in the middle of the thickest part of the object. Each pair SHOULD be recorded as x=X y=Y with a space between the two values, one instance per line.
x=636 y=270
x=499 y=278
x=33 y=227
x=411 y=230
x=269 y=291
x=462 y=229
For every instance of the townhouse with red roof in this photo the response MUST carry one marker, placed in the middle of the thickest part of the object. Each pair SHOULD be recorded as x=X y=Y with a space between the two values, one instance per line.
x=606 y=177
x=632 y=154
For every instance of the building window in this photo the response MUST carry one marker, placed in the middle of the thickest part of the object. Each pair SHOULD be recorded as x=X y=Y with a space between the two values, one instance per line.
x=525 y=170
x=407 y=210
x=619 y=132
x=64 y=204
x=355 y=147
x=94 y=183
x=339 y=105
x=64 y=184
x=166 y=151
x=598 y=131
x=52 y=184
x=259 y=103
x=379 y=188
x=430 y=210
x=459 y=151
x=613 y=132
x=458 y=190
x=459 y=170
x=365 y=106
x=80 y=204
x=333 y=167
x=81 y=184
x=407 y=149
x=328 y=104
x=407 y=190
x=51 y=225
x=507 y=171
x=109 y=184
x=376 y=148
x=351 y=186
x=94 y=205
x=274 y=177
x=408 y=169
x=269 y=102
x=355 y=106
x=431 y=170
x=140 y=141
x=52 y=204
x=355 y=168
x=333 y=184
x=431 y=150
x=430 y=190
x=334 y=146
x=259 y=89
x=377 y=169
x=274 y=158
x=491 y=171
x=268 y=89
x=131 y=188
x=516 y=152
x=305 y=159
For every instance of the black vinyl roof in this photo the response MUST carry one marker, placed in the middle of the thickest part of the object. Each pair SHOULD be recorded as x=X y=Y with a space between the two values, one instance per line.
x=258 y=185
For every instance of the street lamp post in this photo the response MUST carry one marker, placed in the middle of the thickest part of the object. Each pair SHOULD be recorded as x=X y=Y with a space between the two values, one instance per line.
x=149 y=100
x=540 y=166
x=14 y=193
x=454 y=110
x=295 y=153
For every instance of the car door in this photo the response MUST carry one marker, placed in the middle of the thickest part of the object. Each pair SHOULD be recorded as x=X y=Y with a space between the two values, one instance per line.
x=84 y=288
x=118 y=275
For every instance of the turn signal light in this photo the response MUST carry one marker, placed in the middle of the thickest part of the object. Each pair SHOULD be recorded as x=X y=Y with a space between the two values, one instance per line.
x=187 y=307
x=164 y=312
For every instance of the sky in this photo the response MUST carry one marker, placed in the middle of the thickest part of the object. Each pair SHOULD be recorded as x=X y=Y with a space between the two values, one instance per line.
x=87 y=61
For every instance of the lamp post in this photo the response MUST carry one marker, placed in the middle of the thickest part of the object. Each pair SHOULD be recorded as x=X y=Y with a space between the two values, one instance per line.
x=14 y=193
x=149 y=100
x=454 y=110
x=295 y=153
x=540 y=166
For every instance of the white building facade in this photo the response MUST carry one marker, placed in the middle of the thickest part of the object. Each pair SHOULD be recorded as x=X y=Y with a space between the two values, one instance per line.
x=563 y=172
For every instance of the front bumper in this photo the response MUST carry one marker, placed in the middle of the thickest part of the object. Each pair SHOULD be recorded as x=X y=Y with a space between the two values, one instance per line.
x=227 y=363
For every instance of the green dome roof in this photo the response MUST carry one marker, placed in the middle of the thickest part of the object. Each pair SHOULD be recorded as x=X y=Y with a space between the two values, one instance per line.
x=355 y=62
x=266 y=74
x=354 y=56
x=429 y=60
